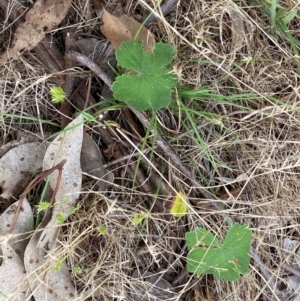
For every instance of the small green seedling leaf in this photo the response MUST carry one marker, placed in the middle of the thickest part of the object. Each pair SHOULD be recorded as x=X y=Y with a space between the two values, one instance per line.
x=60 y=218
x=138 y=218
x=148 y=83
x=228 y=262
x=179 y=207
x=102 y=229
x=57 y=94
x=58 y=264
x=76 y=208
x=42 y=206
x=78 y=270
x=65 y=201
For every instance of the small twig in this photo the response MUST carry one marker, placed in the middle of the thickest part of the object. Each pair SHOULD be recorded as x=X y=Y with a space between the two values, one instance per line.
x=127 y=157
x=91 y=65
x=166 y=8
x=40 y=177
x=88 y=92
x=179 y=279
x=132 y=122
x=65 y=107
x=291 y=270
x=127 y=6
x=59 y=167
x=97 y=70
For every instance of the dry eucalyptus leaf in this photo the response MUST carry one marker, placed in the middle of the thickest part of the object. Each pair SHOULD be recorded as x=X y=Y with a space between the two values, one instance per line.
x=150 y=286
x=47 y=282
x=91 y=162
x=13 y=282
x=14 y=285
x=19 y=236
x=66 y=145
x=17 y=166
x=43 y=17
x=22 y=138
x=123 y=28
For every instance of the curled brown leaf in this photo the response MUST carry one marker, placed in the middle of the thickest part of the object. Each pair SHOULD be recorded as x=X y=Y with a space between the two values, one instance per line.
x=123 y=28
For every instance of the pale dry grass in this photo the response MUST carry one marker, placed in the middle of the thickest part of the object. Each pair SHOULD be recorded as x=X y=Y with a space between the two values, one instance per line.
x=254 y=151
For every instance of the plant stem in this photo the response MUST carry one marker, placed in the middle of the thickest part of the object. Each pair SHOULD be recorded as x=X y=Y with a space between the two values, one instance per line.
x=91 y=65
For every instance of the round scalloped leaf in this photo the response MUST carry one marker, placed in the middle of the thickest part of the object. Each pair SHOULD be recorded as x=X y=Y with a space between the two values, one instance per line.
x=229 y=261
x=148 y=82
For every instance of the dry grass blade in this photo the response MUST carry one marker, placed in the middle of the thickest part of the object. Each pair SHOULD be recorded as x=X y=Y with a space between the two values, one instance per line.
x=17 y=166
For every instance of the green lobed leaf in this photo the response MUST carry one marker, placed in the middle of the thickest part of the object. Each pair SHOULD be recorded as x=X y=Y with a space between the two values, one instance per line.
x=201 y=237
x=226 y=262
x=148 y=83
